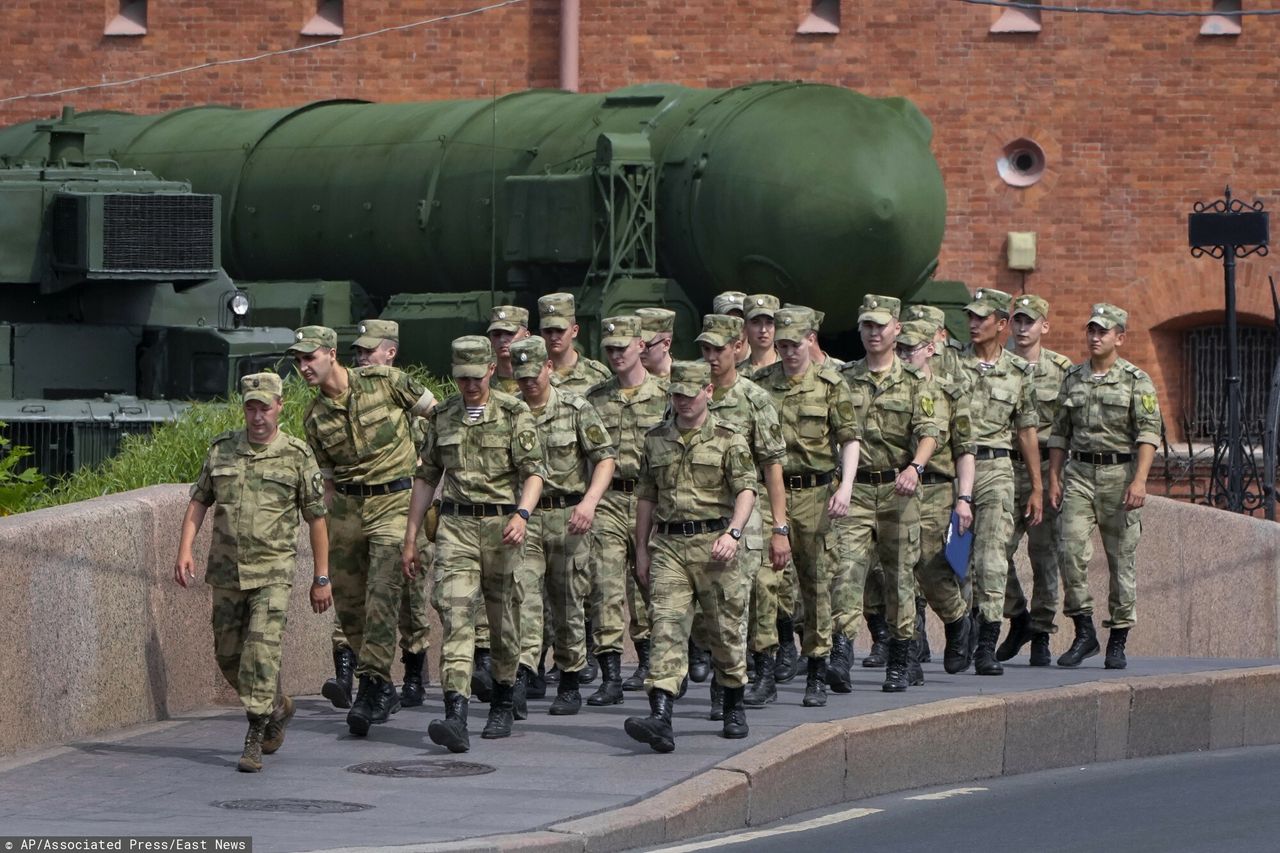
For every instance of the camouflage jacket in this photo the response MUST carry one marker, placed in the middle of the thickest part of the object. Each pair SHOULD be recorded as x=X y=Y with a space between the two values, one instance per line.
x=484 y=461
x=896 y=411
x=1001 y=400
x=585 y=374
x=572 y=436
x=749 y=409
x=505 y=384
x=628 y=414
x=952 y=409
x=1109 y=414
x=698 y=478
x=817 y=416
x=1047 y=384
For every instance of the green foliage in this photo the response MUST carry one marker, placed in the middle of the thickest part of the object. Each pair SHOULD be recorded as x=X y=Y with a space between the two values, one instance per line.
x=16 y=486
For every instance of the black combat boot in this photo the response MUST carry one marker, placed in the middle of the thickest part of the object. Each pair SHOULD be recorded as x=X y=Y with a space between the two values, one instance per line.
x=654 y=729
x=815 y=686
x=699 y=663
x=637 y=679
x=610 y=690
x=838 y=664
x=568 y=700
x=975 y=623
x=501 y=717
x=482 y=674
x=411 y=691
x=386 y=701
x=1085 y=645
x=251 y=758
x=537 y=686
x=717 y=699
x=1040 y=649
x=956 y=657
x=879 y=630
x=1019 y=635
x=926 y=655
x=589 y=672
x=915 y=672
x=520 y=693
x=786 y=662
x=895 y=671
x=360 y=717
x=765 y=690
x=984 y=659
x=735 y=714
x=1115 y=649
x=451 y=732
x=338 y=689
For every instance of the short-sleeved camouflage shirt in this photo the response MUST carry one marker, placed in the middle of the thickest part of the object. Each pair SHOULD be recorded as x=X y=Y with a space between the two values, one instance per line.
x=749 y=409
x=698 y=478
x=1108 y=414
x=484 y=461
x=585 y=374
x=1046 y=380
x=572 y=436
x=952 y=407
x=896 y=409
x=1001 y=401
x=257 y=495
x=817 y=416
x=366 y=437
x=628 y=414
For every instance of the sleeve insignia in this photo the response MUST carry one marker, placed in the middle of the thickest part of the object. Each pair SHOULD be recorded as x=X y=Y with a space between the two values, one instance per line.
x=596 y=435
x=926 y=403
x=1149 y=403
x=845 y=410
x=527 y=440
x=317 y=484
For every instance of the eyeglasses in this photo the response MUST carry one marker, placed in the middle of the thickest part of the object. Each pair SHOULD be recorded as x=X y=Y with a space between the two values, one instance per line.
x=904 y=351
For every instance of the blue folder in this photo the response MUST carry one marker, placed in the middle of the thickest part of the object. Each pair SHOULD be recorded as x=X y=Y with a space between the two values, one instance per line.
x=958 y=547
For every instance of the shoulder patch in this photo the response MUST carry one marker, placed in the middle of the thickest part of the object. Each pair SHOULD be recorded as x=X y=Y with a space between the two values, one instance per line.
x=527 y=439
x=926 y=403
x=1149 y=403
x=845 y=410
x=596 y=435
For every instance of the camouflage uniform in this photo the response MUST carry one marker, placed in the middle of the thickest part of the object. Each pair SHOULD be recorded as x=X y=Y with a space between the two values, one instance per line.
x=507 y=318
x=557 y=311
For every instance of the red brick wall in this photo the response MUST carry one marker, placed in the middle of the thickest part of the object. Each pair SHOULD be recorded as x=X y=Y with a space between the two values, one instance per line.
x=1139 y=117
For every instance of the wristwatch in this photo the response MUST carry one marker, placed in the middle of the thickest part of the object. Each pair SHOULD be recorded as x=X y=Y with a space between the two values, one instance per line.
x=735 y=533
x=523 y=513
x=966 y=498
x=919 y=468
x=323 y=580
x=783 y=530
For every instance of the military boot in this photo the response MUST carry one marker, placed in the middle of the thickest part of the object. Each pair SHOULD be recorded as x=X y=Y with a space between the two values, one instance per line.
x=984 y=659
x=1115 y=649
x=915 y=672
x=926 y=655
x=1019 y=635
x=815 y=686
x=568 y=700
x=786 y=662
x=411 y=691
x=386 y=701
x=717 y=700
x=360 y=717
x=765 y=689
x=637 y=679
x=501 y=717
x=699 y=663
x=895 y=671
x=838 y=664
x=251 y=758
x=879 y=629
x=975 y=623
x=1040 y=649
x=734 y=715
x=537 y=686
x=654 y=729
x=482 y=674
x=338 y=689
x=956 y=657
x=1085 y=645
x=273 y=736
x=610 y=690
x=588 y=673
x=520 y=693
x=451 y=732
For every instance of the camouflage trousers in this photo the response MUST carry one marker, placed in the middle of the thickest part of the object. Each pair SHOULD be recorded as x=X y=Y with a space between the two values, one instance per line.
x=638 y=623
x=682 y=574
x=935 y=578
x=881 y=523
x=1093 y=497
x=807 y=517
x=415 y=629
x=559 y=579
x=612 y=569
x=749 y=562
x=788 y=591
x=365 y=537
x=248 y=629
x=993 y=513
x=473 y=563
x=762 y=608
x=1042 y=550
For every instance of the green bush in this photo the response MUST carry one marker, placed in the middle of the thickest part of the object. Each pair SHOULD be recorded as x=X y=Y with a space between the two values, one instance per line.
x=16 y=487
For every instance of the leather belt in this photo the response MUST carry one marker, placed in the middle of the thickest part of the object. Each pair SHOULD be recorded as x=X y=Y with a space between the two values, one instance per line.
x=476 y=510
x=625 y=486
x=991 y=453
x=876 y=478
x=691 y=528
x=795 y=482
x=1102 y=458
x=363 y=490
x=933 y=478
x=559 y=501
x=1016 y=455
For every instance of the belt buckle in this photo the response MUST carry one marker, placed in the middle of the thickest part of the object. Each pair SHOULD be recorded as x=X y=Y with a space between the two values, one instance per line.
x=688 y=528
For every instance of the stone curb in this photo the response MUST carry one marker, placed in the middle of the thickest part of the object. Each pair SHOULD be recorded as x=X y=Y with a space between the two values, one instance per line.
x=823 y=764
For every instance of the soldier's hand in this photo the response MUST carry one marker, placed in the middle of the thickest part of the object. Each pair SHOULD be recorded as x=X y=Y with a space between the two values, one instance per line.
x=1055 y=493
x=907 y=481
x=409 y=561
x=1135 y=496
x=1035 y=509
x=642 y=568
x=184 y=569
x=513 y=533
x=964 y=513
x=582 y=517
x=838 y=506
x=321 y=597
x=779 y=551
x=723 y=549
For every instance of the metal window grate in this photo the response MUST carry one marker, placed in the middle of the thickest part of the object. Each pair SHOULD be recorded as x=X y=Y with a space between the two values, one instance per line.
x=160 y=231
x=1205 y=377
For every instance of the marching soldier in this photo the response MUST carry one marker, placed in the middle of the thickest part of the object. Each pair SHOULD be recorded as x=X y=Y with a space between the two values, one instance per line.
x=732 y=303
x=258 y=480
x=759 y=311
x=359 y=426
x=484 y=457
x=507 y=324
x=946 y=356
x=559 y=328
x=695 y=492
x=657 y=327
x=1108 y=421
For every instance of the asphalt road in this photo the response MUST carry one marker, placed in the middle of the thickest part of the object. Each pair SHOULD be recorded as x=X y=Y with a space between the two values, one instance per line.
x=1195 y=803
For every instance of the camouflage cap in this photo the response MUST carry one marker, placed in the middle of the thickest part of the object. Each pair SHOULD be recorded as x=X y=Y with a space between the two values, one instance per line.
x=374 y=332
x=929 y=313
x=312 y=338
x=720 y=330
x=1033 y=306
x=619 y=331
x=881 y=310
x=987 y=301
x=508 y=318
x=792 y=324
x=689 y=377
x=1108 y=316
x=263 y=387
x=761 y=304
x=730 y=300
x=655 y=321
x=528 y=355
x=471 y=357
x=556 y=311
x=917 y=332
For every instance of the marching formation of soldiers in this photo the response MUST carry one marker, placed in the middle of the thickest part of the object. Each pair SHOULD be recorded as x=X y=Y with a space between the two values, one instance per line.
x=711 y=510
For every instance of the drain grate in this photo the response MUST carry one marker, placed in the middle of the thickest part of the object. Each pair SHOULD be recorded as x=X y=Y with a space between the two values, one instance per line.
x=421 y=769
x=292 y=806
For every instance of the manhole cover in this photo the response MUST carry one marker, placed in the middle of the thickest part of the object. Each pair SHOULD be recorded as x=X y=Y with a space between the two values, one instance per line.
x=421 y=769
x=293 y=806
